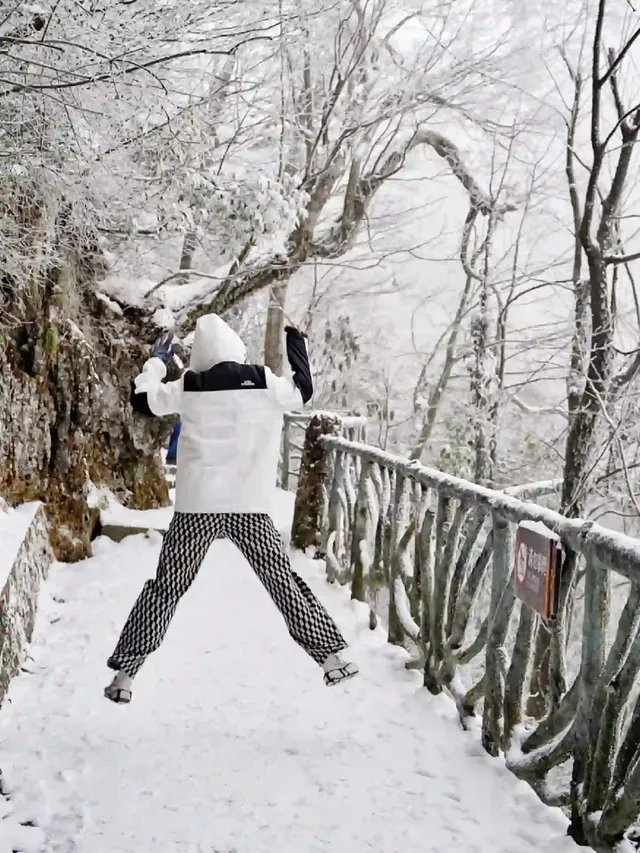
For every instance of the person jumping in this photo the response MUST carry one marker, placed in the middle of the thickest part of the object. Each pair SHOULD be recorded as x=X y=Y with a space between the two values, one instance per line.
x=231 y=415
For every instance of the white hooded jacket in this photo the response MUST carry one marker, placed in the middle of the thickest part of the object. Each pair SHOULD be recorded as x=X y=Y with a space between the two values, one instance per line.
x=231 y=415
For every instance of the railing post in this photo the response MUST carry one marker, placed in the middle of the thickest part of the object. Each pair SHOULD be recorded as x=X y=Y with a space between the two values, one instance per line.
x=376 y=571
x=420 y=506
x=286 y=454
x=594 y=628
x=443 y=522
x=426 y=555
x=495 y=669
x=515 y=695
x=387 y=531
x=335 y=520
x=359 y=535
x=396 y=631
x=307 y=516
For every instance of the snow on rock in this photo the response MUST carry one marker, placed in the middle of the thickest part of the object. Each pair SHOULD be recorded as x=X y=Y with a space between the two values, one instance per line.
x=25 y=557
x=233 y=743
x=126 y=291
x=164 y=319
x=113 y=306
x=113 y=514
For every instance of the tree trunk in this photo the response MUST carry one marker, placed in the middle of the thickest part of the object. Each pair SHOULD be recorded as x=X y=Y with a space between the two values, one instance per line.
x=189 y=246
x=66 y=366
x=307 y=517
x=480 y=398
x=273 y=336
x=438 y=390
x=581 y=435
x=481 y=379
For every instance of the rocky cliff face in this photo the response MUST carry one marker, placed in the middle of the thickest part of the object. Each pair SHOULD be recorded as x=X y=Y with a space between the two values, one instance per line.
x=67 y=360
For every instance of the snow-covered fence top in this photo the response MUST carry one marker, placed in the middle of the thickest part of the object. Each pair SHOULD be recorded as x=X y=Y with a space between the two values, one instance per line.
x=611 y=550
x=432 y=555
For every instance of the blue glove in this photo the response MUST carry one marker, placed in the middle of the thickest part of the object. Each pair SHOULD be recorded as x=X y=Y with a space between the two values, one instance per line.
x=166 y=347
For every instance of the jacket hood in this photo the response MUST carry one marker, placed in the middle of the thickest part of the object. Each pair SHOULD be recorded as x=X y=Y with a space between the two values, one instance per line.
x=214 y=342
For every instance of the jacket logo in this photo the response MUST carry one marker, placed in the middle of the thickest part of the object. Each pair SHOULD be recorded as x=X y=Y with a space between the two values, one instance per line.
x=248 y=384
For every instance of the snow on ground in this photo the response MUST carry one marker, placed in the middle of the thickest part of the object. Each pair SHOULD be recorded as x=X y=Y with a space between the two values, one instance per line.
x=232 y=743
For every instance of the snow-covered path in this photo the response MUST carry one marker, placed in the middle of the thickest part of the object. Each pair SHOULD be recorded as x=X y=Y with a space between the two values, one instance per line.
x=233 y=743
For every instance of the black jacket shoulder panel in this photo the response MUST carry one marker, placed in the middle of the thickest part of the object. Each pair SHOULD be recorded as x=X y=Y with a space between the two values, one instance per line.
x=227 y=376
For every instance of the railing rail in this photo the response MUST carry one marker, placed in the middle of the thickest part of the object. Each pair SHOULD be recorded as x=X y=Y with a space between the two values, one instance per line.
x=433 y=555
x=609 y=546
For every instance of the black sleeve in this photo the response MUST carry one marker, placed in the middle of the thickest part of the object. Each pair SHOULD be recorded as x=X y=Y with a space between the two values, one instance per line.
x=139 y=402
x=299 y=361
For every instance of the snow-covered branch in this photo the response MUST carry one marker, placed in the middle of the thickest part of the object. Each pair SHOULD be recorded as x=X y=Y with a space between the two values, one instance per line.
x=539 y=410
x=358 y=195
x=446 y=149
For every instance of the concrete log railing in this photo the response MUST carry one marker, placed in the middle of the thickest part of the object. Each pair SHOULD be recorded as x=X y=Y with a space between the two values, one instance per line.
x=352 y=427
x=432 y=555
x=25 y=558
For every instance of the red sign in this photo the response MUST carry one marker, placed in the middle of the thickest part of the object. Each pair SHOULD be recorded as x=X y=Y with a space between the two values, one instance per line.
x=536 y=576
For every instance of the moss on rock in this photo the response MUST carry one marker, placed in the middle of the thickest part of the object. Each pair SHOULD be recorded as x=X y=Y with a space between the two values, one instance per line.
x=66 y=421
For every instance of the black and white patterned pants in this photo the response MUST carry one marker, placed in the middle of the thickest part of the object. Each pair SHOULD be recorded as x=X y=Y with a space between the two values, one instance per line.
x=184 y=548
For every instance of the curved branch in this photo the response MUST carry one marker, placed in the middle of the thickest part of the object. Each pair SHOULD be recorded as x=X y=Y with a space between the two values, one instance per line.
x=360 y=192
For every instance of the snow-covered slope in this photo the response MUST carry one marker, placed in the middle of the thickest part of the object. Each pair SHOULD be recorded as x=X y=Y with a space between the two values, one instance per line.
x=232 y=742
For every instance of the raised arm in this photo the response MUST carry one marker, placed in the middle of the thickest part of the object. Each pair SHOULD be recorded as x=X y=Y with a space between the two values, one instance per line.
x=291 y=392
x=151 y=395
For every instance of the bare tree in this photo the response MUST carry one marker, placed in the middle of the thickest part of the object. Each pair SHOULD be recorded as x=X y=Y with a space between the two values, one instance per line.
x=351 y=124
x=598 y=249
